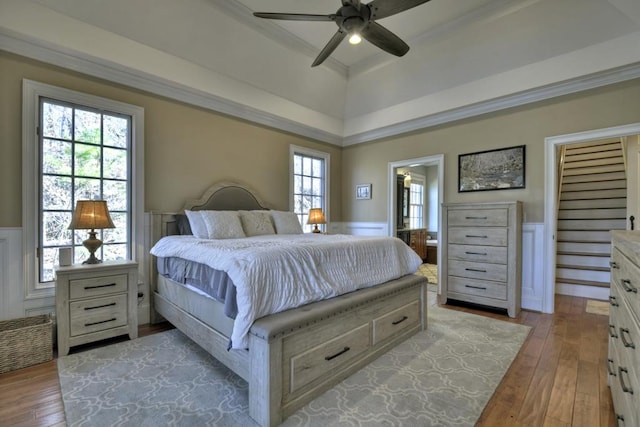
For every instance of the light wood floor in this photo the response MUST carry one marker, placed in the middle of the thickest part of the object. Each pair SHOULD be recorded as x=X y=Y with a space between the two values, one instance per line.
x=559 y=378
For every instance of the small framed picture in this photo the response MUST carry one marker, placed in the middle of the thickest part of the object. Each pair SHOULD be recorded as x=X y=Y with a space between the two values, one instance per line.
x=363 y=191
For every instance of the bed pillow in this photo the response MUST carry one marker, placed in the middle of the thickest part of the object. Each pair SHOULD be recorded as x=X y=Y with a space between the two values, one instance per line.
x=286 y=222
x=196 y=222
x=223 y=224
x=256 y=223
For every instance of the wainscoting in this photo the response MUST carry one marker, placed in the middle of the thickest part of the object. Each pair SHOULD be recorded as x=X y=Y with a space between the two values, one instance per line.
x=532 y=255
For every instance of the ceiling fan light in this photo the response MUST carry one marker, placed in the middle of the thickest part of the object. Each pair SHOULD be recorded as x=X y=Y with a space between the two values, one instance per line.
x=355 y=38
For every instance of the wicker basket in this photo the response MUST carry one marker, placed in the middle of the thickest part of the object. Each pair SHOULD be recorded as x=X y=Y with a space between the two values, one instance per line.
x=25 y=342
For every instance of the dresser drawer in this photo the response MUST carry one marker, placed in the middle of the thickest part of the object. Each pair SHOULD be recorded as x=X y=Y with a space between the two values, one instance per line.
x=482 y=236
x=623 y=402
x=97 y=314
x=475 y=287
x=478 y=217
x=328 y=356
x=478 y=270
x=489 y=254
x=96 y=286
x=627 y=276
x=395 y=322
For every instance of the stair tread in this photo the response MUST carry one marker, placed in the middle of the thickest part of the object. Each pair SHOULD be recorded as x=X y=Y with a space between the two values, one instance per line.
x=581 y=267
x=583 y=282
x=592 y=254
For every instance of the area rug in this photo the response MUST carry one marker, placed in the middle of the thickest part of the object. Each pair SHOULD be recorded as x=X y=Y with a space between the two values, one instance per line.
x=443 y=376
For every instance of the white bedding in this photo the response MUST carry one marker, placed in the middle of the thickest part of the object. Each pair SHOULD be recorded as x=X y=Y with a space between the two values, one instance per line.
x=277 y=272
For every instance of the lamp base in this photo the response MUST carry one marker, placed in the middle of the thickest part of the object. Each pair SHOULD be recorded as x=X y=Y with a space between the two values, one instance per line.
x=92 y=244
x=316 y=229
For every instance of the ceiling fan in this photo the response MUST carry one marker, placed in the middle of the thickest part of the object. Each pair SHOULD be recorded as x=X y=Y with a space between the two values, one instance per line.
x=357 y=20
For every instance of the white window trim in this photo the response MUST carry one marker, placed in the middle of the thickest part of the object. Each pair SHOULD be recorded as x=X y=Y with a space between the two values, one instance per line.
x=423 y=181
x=32 y=91
x=296 y=149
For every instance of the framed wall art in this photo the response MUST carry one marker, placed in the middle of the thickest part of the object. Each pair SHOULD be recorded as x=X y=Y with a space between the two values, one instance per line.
x=500 y=169
x=363 y=191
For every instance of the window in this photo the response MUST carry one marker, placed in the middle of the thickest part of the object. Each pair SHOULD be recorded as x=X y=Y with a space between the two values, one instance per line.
x=84 y=155
x=416 y=198
x=78 y=147
x=309 y=183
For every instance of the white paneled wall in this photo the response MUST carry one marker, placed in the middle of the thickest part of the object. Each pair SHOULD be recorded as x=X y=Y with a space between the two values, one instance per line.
x=11 y=277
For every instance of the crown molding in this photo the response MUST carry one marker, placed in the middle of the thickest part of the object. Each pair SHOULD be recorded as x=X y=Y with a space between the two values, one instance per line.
x=591 y=81
x=80 y=62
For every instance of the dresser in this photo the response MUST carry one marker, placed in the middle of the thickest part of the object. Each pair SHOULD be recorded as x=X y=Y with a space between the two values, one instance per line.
x=482 y=254
x=623 y=362
x=96 y=301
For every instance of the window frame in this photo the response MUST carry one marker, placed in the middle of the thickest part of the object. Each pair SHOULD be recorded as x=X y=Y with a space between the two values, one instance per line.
x=421 y=180
x=32 y=92
x=326 y=157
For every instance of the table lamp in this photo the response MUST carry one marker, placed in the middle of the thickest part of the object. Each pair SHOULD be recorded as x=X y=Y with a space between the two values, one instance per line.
x=91 y=215
x=316 y=217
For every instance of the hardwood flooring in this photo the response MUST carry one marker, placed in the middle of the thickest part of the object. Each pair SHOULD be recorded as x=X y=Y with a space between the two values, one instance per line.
x=559 y=377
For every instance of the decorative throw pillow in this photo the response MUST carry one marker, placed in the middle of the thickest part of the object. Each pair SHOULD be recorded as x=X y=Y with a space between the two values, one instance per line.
x=286 y=222
x=223 y=224
x=183 y=225
x=256 y=223
x=196 y=222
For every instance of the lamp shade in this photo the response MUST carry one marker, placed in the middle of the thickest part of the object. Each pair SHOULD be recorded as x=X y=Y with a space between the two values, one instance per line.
x=316 y=216
x=90 y=215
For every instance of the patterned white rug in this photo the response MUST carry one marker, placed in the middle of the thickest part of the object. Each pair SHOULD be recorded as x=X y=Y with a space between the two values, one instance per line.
x=443 y=376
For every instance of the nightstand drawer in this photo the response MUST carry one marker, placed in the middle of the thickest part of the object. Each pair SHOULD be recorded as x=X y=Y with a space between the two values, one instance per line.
x=98 y=314
x=96 y=286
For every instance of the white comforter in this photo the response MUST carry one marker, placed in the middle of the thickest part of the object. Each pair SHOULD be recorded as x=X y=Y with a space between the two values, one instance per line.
x=278 y=272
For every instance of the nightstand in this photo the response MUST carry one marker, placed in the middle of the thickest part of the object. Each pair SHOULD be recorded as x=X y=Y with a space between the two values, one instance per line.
x=96 y=301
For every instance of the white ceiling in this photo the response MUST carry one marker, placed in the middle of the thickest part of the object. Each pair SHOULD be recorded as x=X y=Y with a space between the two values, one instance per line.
x=467 y=57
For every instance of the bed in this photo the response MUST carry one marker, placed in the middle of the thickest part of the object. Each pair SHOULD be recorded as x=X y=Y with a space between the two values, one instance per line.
x=292 y=356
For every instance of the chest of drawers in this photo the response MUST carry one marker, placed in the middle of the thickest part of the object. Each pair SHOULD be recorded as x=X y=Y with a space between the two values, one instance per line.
x=623 y=362
x=94 y=302
x=482 y=254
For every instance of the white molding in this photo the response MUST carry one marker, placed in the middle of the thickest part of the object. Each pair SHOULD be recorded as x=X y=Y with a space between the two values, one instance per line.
x=578 y=84
x=532 y=268
x=77 y=61
x=362 y=228
x=551 y=196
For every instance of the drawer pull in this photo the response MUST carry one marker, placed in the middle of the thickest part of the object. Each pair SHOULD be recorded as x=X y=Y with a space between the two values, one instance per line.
x=475 y=269
x=614 y=264
x=108 y=285
x=612 y=301
x=611 y=371
x=626 y=389
x=476 y=253
x=100 y=306
x=475 y=217
x=626 y=284
x=618 y=419
x=397 y=322
x=341 y=352
x=626 y=343
x=612 y=331
x=475 y=236
x=102 y=321
x=475 y=287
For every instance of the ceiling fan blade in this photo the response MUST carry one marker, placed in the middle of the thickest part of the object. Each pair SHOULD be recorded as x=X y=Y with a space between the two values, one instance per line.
x=378 y=35
x=330 y=47
x=383 y=8
x=295 y=16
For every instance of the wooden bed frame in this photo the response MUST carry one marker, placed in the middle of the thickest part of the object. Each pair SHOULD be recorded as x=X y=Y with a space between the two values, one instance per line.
x=296 y=355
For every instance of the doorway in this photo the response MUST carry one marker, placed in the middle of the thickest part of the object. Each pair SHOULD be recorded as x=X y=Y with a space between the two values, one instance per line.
x=551 y=193
x=436 y=161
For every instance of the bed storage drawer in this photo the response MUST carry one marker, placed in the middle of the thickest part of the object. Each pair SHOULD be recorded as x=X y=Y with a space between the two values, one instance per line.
x=395 y=322
x=328 y=356
x=96 y=286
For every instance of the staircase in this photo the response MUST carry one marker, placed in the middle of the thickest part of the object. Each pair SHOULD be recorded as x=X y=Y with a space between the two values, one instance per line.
x=592 y=201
